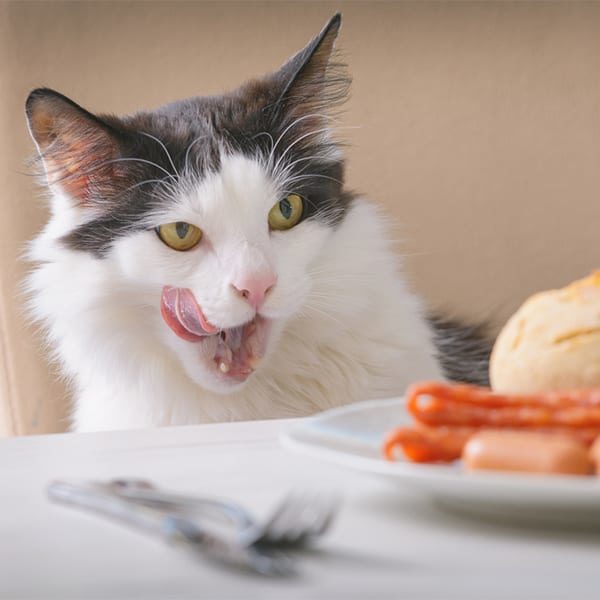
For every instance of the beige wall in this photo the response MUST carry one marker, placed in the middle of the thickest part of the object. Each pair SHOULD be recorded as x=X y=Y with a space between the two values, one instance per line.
x=478 y=127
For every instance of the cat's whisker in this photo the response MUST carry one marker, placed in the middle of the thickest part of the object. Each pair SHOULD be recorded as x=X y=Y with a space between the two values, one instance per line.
x=188 y=150
x=329 y=294
x=333 y=283
x=290 y=166
x=329 y=303
x=140 y=184
x=322 y=301
x=313 y=132
x=94 y=168
x=263 y=133
x=156 y=193
x=312 y=308
x=324 y=155
x=265 y=160
x=152 y=137
x=328 y=277
x=310 y=176
x=284 y=175
x=293 y=124
x=328 y=271
x=142 y=160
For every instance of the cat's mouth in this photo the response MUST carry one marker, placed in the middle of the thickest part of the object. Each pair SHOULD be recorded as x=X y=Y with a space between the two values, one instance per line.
x=233 y=353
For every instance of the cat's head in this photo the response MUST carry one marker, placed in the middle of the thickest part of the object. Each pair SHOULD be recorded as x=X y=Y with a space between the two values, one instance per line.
x=215 y=206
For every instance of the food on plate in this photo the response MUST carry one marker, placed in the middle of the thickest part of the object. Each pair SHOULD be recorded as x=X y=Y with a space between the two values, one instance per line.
x=427 y=444
x=595 y=455
x=552 y=342
x=448 y=417
x=433 y=403
x=526 y=451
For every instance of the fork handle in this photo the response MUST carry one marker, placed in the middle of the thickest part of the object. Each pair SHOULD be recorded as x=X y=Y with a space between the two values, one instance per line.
x=142 y=493
x=169 y=526
x=112 y=506
x=172 y=527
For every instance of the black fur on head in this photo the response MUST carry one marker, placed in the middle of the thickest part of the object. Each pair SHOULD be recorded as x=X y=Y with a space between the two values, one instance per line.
x=124 y=168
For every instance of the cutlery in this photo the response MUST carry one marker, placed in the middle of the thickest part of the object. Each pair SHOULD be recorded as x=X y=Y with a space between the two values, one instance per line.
x=173 y=527
x=296 y=521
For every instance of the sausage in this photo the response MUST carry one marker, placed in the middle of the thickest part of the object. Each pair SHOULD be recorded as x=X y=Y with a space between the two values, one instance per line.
x=427 y=444
x=595 y=454
x=437 y=404
x=527 y=452
x=423 y=444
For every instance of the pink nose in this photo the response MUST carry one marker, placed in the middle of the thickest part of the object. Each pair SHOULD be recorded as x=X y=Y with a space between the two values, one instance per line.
x=254 y=288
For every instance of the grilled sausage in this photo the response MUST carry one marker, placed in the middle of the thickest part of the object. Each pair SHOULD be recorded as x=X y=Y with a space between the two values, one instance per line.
x=527 y=452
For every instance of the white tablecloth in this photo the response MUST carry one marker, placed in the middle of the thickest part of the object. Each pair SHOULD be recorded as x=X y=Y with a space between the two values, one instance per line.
x=386 y=543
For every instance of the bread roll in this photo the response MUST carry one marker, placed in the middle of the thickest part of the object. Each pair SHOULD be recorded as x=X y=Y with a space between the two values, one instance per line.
x=552 y=342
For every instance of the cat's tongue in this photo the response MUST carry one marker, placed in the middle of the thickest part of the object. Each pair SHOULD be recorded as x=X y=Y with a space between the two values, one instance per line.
x=182 y=314
x=235 y=352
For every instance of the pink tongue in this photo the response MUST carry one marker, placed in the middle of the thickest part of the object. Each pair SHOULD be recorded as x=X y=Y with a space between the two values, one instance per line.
x=182 y=303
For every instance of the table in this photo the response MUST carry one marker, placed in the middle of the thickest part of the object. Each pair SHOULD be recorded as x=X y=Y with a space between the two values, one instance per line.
x=386 y=543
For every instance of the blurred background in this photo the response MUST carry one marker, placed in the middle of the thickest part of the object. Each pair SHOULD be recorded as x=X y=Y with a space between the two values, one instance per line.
x=475 y=125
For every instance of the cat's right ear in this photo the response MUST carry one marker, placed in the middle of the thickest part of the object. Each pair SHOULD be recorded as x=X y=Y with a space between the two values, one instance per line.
x=311 y=82
x=79 y=150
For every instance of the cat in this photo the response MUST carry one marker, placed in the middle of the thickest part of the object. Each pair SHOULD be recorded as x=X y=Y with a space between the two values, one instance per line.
x=204 y=262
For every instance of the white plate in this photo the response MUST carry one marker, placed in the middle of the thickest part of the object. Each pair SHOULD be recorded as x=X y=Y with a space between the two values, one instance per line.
x=351 y=436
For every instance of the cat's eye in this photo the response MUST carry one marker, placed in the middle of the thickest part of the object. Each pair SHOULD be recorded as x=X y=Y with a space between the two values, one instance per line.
x=286 y=213
x=180 y=235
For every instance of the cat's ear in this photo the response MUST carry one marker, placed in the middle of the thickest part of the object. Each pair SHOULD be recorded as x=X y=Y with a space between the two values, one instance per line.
x=312 y=83
x=78 y=149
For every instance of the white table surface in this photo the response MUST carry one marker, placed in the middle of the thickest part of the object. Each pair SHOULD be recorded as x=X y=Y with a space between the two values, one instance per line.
x=386 y=543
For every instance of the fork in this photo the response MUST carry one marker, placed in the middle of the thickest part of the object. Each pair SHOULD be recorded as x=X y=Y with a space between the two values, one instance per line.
x=296 y=521
x=173 y=527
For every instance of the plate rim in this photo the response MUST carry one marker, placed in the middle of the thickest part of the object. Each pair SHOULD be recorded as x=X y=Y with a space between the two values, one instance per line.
x=566 y=486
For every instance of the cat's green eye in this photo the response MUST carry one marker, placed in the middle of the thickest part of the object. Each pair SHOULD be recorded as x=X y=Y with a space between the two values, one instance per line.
x=180 y=235
x=286 y=213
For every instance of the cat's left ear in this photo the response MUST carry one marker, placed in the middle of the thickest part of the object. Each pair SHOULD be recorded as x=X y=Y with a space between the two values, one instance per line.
x=78 y=149
x=312 y=83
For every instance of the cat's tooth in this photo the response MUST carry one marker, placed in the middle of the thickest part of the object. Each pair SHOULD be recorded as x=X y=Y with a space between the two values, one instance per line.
x=223 y=367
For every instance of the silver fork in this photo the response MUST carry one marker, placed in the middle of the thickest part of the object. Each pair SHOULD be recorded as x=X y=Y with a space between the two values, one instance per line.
x=296 y=521
x=173 y=527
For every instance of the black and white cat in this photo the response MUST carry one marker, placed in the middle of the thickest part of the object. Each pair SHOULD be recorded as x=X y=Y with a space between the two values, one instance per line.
x=204 y=262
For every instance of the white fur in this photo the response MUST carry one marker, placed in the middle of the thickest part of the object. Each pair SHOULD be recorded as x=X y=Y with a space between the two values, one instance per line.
x=345 y=326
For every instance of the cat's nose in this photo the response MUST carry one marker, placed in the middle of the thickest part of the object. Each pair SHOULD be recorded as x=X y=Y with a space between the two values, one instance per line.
x=255 y=287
